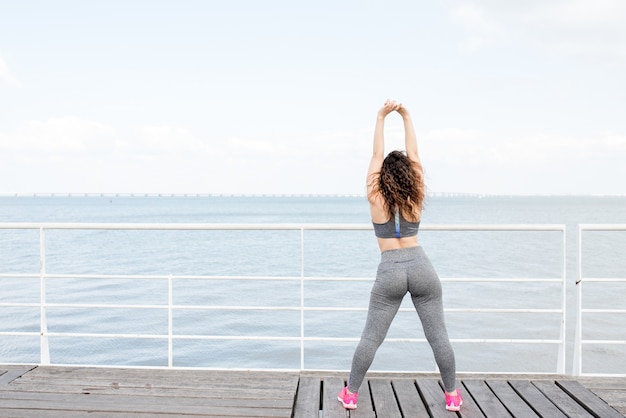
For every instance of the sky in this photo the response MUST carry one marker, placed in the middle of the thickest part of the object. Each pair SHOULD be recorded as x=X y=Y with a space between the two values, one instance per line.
x=280 y=96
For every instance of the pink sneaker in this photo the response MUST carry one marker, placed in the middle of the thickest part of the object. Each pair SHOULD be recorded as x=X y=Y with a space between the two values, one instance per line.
x=348 y=400
x=453 y=403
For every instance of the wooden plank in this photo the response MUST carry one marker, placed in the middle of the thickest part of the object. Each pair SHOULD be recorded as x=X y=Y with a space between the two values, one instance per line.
x=243 y=393
x=206 y=384
x=562 y=400
x=331 y=406
x=488 y=403
x=232 y=400
x=365 y=407
x=615 y=398
x=22 y=413
x=590 y=400
x=511 y=400
x=307 y=403
x=469 y=409
x=435 y=400
x=9 y=376
x=409 y=399
x=250 y=392
x=187 y=378
x=432 y=394
x=384 y=399
x=177 y=378
x=139 y=404
x=536 y=399
x=226 y=401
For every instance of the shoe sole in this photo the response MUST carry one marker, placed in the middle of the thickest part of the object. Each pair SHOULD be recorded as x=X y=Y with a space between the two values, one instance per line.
x=454 y=408
x=346 y=405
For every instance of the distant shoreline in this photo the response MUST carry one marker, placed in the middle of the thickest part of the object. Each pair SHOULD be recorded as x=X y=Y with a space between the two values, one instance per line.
x=286 y=195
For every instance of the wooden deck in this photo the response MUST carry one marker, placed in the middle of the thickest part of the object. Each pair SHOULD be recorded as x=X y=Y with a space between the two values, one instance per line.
x=67 y=392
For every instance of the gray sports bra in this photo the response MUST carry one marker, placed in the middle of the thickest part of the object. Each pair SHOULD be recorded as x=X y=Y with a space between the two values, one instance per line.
x=397 y=227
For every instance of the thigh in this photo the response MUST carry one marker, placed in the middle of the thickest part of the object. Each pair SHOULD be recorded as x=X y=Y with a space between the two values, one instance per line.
x=385 y=299
x=423 y=280
x=380 y=314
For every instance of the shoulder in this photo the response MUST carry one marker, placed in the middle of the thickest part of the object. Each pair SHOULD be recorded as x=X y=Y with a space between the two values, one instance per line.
x=417 y=165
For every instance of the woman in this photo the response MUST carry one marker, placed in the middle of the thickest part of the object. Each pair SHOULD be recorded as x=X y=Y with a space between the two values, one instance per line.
x=395 y=190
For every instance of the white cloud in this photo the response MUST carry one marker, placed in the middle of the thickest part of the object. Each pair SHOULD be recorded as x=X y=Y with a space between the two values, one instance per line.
x=580 y=13
x=58 y=136
x=71 y=154
x=614 y=143
x=473 y=147
x=473 y=161
x=578 y=27
x=6 y=77
x=474 y=19
x=164 y=141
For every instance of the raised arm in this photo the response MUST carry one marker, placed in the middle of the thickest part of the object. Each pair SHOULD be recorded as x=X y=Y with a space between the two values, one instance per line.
x=378 y=152
x=410 y=139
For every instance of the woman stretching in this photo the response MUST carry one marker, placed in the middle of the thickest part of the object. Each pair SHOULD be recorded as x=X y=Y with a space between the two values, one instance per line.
x=395 y=190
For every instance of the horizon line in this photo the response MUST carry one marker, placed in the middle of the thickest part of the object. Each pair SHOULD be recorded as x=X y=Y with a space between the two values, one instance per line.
x=360 y=195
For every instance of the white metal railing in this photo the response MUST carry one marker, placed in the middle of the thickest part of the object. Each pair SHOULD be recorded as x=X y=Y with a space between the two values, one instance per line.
x=43 y=277
x=579 y=340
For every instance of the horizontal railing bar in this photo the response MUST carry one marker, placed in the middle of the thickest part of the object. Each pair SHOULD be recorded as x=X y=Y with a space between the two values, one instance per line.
x=602 y=279
x=614 y=342
x=290 y=370
x=504 y=310
x=452 y=279
x=282 y=278
x=273 y=227
x=454 y=340
x=19 y=276
x=174 y=307
x=622 y=311
x=357 y=309
x=165 y=277
x=104 y=335
x=501 y=279
x=274 y=308
x=102 y=305
x=612 y=375
x=494 y=227
x=296 y=338
x=279 y=278
x=469 y=310
x=502 y=340
x=602 y=227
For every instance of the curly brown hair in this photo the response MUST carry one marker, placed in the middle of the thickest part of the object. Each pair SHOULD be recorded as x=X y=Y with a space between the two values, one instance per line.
x=401 y=184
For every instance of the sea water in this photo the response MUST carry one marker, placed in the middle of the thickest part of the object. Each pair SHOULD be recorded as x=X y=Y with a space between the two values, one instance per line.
x=327 y=254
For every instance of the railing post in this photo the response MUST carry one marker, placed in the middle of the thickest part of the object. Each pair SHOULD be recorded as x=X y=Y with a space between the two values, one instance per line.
x=170 y=324
x=563 y=348
x=301 y=298
x=44 y=349
x=577 y=369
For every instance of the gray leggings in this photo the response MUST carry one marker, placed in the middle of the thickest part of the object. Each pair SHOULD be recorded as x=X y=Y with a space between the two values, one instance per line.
x=401 y=271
